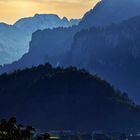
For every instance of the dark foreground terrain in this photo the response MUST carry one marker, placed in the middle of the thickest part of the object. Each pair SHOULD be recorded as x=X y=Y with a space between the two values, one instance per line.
x=57 y=98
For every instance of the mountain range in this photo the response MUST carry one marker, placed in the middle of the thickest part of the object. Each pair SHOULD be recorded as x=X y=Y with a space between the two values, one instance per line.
x=104 y=11
x=102 y=42
x=52 y=97
x=14 y=39
x=66 y=99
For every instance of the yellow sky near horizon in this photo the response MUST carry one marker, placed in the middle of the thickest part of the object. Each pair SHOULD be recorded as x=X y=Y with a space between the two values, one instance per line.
x=12 y=10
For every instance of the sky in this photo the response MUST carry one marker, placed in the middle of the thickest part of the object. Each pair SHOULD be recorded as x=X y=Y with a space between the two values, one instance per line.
x=12 y=10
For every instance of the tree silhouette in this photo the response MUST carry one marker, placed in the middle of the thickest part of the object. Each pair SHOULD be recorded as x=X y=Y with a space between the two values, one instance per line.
x=9 y=130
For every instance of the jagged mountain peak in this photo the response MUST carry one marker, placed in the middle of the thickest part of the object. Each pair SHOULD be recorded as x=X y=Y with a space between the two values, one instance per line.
x=64 y=18
x=14 y=39
x=36 y=16
x=51 y=15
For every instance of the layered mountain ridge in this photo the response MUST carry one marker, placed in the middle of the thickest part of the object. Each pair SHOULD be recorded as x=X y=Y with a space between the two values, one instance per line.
x=14 y=39
x=91 y=18
x=112 y=52
x=43 y=21
x=60 y=47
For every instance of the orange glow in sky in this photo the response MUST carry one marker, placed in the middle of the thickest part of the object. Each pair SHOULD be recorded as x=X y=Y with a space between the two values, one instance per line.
x=12 y=10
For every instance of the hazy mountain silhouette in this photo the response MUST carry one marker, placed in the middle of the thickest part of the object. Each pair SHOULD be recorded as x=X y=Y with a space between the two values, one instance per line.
x=14 y=39
x=13 y=43
x=104 y=13
x=59 y=99
x=111 y=11
x=43 y=21
x=112 y=52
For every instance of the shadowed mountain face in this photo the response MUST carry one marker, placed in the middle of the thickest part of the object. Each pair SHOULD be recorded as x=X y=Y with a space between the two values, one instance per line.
x=55 y=98
x=14 y=39
x=13 y=43
x=111 y=11
x=112 y=52
x=40 y=49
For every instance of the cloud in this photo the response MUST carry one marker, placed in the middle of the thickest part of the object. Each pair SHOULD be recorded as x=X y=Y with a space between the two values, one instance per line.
x=44 y=1
x=11 y=10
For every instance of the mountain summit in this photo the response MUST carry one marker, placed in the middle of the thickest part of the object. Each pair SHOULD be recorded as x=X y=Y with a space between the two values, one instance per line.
x=43 y=21
x=111 y=11
x=14 y=39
